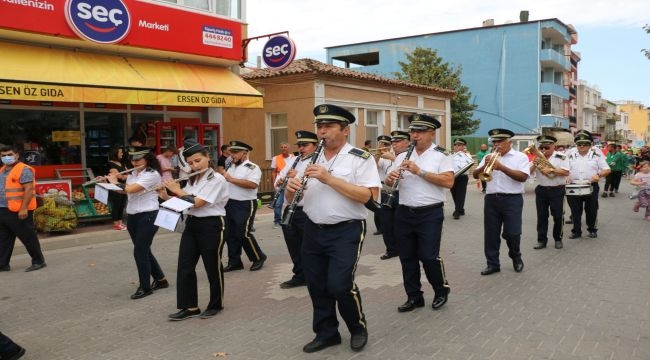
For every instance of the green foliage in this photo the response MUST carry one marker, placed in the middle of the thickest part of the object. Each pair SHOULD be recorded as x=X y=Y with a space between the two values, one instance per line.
x=646 y=52
x=425 y=67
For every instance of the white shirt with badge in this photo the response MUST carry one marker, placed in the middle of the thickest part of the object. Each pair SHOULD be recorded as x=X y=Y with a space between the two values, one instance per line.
x=143 y=202
x=383 y=167
x=502 y=183
x=244 y=171
x=300 y=169
x=559 y=161
x=323 y=204
x=211 y=188
x=414 y=191
x=585 y=167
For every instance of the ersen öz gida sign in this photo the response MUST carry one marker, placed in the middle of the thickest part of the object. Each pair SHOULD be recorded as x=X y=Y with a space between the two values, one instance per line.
x=279 y=52
x=100 y=21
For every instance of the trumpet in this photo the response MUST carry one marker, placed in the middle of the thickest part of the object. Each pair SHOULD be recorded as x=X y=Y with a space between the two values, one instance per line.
x=103 y=178
x=486 y=175
x=182 y=178
x=540 y=160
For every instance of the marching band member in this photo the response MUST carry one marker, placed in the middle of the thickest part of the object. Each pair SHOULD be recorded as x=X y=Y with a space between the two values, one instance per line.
x=142 y=209
x=549 y=194
x=341 y=181
x=461 y=159
x=420 y=214
x=504 y=201
x=203 y=235
x=586 y=167
x=294 y=232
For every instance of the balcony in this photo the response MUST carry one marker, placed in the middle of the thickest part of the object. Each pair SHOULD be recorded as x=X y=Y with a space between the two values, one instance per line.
x=550 y=58
x=554 y=89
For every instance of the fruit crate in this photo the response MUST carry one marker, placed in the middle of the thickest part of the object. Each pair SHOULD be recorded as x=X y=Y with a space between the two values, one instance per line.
x=88 y=208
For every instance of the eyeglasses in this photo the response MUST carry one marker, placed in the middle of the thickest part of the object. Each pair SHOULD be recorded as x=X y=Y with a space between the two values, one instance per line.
x=543 y=147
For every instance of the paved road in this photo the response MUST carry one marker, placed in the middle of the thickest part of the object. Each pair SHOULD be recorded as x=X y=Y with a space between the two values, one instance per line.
x=589 y=300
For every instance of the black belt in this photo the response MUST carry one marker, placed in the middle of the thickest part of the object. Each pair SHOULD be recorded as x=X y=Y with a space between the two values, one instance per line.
x=420 y=209
x=330 y=226
x=503 y=194
x=202 y=217
x=552 y=187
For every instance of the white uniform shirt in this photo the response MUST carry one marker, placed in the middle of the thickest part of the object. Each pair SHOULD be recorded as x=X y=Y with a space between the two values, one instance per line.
x=211 y=188
x=415 y=191
x=325 y=205
x=502 y=183
x=300 y=170
x=559 y=161
x=584 y=167
x=139 y=202
x=244 y=171
x=460 y=160
x=383 y=167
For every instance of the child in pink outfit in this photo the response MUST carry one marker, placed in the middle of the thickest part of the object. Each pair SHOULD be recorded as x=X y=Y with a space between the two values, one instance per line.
x=642 y=181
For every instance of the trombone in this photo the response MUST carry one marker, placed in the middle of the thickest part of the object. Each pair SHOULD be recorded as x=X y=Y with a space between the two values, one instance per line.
x=486 y=175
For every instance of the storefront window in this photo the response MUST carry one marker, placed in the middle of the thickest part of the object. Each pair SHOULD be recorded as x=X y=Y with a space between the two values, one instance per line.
x=44 y=137
x=103 y=130
x=143 y=127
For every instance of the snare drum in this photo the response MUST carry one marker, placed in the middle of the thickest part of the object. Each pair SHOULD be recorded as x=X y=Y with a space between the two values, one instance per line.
x=578 y=189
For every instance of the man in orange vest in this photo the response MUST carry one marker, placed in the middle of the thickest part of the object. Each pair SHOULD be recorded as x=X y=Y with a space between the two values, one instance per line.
x=278 y=163
x=17 y=204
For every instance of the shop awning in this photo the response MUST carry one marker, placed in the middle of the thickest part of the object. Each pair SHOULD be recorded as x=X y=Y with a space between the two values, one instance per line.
x=42 y=74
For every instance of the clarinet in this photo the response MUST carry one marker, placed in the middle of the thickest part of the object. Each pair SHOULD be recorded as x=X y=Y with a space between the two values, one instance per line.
x=284 y=185
x=292 y=207
x=391 y=195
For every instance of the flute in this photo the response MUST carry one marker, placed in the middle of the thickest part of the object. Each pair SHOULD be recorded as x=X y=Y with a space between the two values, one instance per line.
x=183 y=178
x=103 y=178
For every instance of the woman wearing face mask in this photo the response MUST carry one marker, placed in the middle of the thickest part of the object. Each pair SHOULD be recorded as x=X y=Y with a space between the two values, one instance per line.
x=17 y=204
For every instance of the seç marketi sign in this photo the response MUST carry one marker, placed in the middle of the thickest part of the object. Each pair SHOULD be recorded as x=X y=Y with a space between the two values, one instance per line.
x=279 y=52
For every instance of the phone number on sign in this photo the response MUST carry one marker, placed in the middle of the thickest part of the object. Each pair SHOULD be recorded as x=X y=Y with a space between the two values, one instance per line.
x=217 y=40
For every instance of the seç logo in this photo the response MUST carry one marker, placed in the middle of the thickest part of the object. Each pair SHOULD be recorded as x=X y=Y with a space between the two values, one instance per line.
x=100 y=21
x=279 y=52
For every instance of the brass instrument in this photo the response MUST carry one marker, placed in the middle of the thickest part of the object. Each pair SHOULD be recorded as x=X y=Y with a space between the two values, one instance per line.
x=391 y=195
x=486 y=175
x=540 y=160
x=182 y=178
x=103 y=178
x=291 y=208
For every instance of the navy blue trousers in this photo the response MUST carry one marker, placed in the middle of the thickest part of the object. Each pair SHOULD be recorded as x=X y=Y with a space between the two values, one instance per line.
x=387 y=219
x=142 y=230
x=588 y=203
x=549 y=199
x=293 y=235
x=329 y=257
x=239 y=219
x=419 y=236
x=502 y=213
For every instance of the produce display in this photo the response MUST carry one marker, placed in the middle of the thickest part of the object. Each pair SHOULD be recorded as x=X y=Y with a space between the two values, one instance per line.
x=56 y=214
x=87 y=207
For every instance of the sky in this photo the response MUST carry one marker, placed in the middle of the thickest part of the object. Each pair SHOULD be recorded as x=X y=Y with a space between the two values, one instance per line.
x=610 y=34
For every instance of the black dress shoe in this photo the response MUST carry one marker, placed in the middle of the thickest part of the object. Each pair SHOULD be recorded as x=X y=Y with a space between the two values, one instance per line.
x=377 y=233
x=518 y=265
x=574 y=236
x=159 y=284
x=5 y=268
x=359 y=340
x=539 y=246
x=490 y=270
x=318 y=344
x=558 y=245
x=35 y=267
x=14 y=354
x=258 y=264
x=410 y=305
x=387 y=256
x=233 y=267
x=184 y=314
x=593 y=235
x=292 y=283
x=140 y=293
x=439 y=301
x=210 y=313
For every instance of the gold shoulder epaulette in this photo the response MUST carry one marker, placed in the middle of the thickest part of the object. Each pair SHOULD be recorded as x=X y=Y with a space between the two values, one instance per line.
x=360 y=153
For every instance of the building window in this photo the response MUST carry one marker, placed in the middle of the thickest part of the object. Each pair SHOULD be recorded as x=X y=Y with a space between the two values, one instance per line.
x=229 y=8
x=279 y=131
x=372 y=125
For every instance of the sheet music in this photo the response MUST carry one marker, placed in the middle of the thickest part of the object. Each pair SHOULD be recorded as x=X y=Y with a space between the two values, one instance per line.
x=108 y=186
x=101 y=194
x=177 y=204
x=167 y=219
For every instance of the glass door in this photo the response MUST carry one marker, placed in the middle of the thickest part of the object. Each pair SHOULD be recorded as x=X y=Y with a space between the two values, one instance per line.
x=103 y=130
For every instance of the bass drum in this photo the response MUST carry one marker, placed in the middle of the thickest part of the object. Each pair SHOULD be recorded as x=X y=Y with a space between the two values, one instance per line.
x=578 y=189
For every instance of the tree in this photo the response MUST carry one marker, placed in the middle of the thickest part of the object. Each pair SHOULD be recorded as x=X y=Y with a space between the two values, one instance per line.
x=425 y=67
x=646 y=52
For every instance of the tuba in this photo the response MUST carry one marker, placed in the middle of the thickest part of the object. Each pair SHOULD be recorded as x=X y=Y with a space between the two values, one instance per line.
x=540 y=161
x=486 y=175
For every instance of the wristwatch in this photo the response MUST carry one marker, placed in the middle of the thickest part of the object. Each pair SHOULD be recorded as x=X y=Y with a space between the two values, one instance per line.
x=422 y=173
